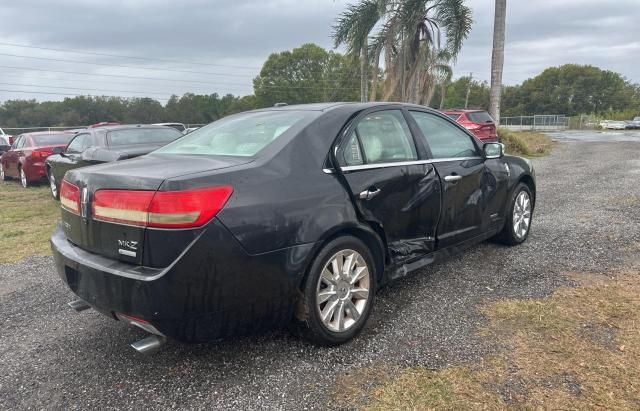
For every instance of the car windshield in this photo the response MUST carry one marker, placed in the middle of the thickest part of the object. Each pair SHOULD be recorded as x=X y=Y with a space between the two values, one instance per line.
x=52 y=139
x=240 y=135
x=480 y=117
x=132 y=136
x=3 y=141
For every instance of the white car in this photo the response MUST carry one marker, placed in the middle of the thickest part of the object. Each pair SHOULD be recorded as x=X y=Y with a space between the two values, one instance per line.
x=635 y=123
x=616 y=125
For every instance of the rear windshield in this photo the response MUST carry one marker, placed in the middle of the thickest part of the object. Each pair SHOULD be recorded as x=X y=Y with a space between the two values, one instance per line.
x=52 y=139
x=240 y=135
x=142 y=136
x=480 y=117
x=455 y=117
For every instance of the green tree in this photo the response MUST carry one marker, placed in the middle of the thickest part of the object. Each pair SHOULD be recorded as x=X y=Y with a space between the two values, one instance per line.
x=456 y=93
x=306 y=74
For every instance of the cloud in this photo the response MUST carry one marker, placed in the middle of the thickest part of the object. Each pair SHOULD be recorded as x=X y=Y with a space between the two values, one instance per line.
x=242 y=33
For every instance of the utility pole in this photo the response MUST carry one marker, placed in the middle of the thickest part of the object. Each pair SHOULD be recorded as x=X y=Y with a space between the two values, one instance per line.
x=466 y=100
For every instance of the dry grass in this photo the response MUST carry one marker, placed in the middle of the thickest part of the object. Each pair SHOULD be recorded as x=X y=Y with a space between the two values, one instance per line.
x=525 y=143
x=27 y=219
x=578 y=349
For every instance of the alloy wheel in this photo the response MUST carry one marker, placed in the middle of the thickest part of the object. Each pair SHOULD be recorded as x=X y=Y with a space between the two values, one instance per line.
x=52 y=184
x=521 y=215
x=23 y=178
x=342 y=293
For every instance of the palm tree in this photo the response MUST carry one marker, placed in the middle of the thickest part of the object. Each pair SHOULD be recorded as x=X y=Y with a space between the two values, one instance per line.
x=352 y=28
x=497 y=59
x=410 y=36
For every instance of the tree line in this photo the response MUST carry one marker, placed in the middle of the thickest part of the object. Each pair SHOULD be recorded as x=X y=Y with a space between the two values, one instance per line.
x=310 y=74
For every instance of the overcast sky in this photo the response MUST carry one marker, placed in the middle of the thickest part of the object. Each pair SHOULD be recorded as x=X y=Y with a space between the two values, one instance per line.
x=234 y=37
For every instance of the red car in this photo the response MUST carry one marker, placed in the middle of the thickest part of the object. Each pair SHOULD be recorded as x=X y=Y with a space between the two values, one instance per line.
x=25 y=159
x=478 y=122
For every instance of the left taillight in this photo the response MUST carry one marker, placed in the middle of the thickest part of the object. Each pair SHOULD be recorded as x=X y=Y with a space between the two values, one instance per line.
x=70 y=197
x=40 y=154
x=162 y=209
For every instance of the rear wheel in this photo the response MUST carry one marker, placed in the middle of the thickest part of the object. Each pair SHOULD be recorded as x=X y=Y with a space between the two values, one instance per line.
x=339 y=292
x=520 y=213
x=23 y=178
x=53 y=185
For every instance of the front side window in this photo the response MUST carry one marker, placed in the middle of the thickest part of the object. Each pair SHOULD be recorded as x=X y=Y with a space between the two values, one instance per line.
x=240 y=135
x=444 y=138
x=386 y=138
x=78 y=144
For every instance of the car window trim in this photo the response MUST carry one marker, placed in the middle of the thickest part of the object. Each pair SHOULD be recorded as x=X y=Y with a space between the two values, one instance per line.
x=346 y=169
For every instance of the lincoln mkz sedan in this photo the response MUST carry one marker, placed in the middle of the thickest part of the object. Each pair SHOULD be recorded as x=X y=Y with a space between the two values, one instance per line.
x=297 y=213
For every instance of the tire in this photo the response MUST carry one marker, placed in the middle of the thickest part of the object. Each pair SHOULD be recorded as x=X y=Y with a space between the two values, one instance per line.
x=3 y=176
x=23 y=178
x=53 y=185
x=351 y=296
x=521 y=211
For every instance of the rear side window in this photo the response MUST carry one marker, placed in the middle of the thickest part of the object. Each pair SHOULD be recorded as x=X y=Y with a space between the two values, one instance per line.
x=134 y=136
x=19 y=143
x=480 y=117
x=52 y=140
x=454 y=117
x=240 y=135
x=443 y=138
x=385 y=138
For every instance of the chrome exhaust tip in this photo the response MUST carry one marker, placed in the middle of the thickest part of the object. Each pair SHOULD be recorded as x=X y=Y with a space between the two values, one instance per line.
x=149 y=345
x=78 y=305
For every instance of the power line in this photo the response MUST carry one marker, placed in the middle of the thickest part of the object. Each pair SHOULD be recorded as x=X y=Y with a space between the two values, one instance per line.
x=157 y=78
x=84 y=89
x=197 y=63
x=74 y=95
x=124 y=66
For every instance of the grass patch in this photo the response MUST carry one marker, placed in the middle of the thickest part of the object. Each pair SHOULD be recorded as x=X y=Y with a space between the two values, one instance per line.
x=578 y=349
x=525 y=143
x=27 y=219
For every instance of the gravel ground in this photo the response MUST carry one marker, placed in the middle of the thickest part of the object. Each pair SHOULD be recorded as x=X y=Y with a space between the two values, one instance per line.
x=51 y=357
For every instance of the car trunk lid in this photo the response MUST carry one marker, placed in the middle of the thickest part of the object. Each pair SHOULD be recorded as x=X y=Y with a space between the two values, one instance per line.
x=116 y=240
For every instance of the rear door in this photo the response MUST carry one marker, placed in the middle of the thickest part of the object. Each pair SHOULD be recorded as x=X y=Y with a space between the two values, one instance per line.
x=392 y=185
x=468 y=185
x=13 y=157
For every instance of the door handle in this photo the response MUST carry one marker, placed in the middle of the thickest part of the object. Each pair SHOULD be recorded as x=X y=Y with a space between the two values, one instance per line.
x=370 y=193
x=452 y=178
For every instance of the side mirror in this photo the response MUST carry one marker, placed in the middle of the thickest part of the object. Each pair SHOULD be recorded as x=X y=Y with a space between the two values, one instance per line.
x=493 y=150
x=57 y=150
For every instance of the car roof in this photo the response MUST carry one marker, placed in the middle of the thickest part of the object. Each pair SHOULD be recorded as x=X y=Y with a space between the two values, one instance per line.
x=126 y=127
x=463 y=110
x=46 y=133
x=352 y=106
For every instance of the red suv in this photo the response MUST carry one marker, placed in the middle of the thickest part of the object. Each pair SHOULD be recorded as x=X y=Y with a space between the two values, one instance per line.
x=25 y=158
x=479 y=122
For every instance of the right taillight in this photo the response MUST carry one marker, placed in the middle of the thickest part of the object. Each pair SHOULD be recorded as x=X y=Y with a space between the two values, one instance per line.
x=163 y=209
x=70 y=197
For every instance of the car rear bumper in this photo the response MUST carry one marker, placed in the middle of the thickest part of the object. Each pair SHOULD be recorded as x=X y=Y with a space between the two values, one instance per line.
x=35 y=170
x=213 y=289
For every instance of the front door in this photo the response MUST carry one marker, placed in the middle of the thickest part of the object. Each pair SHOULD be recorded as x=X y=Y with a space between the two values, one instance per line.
x=469 y=186
x=390 y=186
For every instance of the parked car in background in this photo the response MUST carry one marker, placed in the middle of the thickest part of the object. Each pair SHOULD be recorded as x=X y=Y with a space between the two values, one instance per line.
x=105 y=144
x=478 y=122
x=4 y=144
x=635 y=123
x=178 y=126
x=300 y=209
x=104 y=124
x=26 y=157
x=615 y=125
x=7 y=137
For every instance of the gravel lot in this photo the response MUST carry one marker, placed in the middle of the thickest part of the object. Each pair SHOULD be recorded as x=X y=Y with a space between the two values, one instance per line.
x=51 y=357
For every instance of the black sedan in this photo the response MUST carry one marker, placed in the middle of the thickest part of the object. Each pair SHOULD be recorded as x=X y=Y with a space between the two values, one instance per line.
x=290 y=213
x=105 y=144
